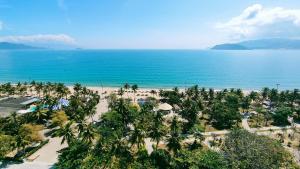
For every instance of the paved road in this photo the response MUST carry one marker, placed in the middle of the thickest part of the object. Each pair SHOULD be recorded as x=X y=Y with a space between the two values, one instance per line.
x=31 y=165
x=48 y=153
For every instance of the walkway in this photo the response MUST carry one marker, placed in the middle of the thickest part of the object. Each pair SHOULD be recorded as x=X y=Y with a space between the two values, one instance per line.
x=48 y=153
x=245 y=124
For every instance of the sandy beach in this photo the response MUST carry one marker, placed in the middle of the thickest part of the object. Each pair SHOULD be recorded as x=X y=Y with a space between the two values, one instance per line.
x=140 y=93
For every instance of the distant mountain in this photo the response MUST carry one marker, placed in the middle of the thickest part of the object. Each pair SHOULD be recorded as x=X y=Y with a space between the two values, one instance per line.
x=261 y=44
x=15 y=46
x=229 y=47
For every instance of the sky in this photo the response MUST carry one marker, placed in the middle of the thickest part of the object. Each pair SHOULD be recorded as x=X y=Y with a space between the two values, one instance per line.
x=146 y=24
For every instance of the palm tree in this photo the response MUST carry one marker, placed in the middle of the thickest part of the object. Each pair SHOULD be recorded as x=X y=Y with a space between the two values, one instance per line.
x=88 y=134
x=121 y=92
x=91 y=112
x=66 y=91
x=62 y=90
x=138 y=136
x=13 y=118
x=274 y=95
x=48 y=87
x=39 y=115
x=134 y=88
x=265 y=93
x=21 y=143
x=189 y=111
x=32 y=85
x=174 y=139
x=157 y=130
x=174 y=143
x=239 y=92
x=121 y=107
x=295 y=94
x=156 y=133
x=253 y=95
x=126 y=87
x=39 y=88
x=195 y=91
x=204 y=94
x=18 y=88
x=245 y=103
x=14 y=123
x=65 y=132
x=8 y=89
x=80 y=126
x=117 y=149
x=153 y=92
x=211 y=95
x=77 y=87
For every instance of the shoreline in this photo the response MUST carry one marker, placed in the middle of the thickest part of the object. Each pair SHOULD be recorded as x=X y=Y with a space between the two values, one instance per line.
x=147 y=90
x=144 y=88
x=161 y=86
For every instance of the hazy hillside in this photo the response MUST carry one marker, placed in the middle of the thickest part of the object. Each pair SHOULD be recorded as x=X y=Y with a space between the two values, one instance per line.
x=260 y=44
x=15 y=46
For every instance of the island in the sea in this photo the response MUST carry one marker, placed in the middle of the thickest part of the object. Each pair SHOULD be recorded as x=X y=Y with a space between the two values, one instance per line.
x=274 y=43
x=16 y=46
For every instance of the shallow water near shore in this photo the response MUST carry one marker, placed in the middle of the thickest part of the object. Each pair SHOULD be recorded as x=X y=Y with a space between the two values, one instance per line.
x=155 y=68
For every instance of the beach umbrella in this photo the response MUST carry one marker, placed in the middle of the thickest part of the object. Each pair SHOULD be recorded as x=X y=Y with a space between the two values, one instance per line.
x=63 y=102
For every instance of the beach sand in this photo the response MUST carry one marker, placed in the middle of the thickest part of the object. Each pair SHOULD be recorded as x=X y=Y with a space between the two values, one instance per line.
x=140 y=93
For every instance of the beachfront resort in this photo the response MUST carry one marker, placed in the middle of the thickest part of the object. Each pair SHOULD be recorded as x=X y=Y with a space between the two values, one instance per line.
x=46 y=125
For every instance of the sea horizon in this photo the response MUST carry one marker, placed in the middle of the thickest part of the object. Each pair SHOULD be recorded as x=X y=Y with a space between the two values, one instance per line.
x=154 y=68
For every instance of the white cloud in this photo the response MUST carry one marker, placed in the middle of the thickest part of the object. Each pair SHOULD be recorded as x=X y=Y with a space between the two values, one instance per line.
x=1 y=25
x=257 y=21
x=40 y=38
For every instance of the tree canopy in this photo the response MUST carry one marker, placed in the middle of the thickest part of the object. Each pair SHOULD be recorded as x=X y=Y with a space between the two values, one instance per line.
x=244 y=150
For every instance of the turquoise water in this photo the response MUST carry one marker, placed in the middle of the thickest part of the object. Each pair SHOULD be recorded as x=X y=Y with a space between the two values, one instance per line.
x=155 y=68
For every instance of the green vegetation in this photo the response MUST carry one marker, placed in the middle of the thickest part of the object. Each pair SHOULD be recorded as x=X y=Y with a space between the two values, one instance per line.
x=281 y=115
x=20 y=133
x=122 y=132
x=225 y=113
x=7 y=143
x=247 y=150
x=132 y=135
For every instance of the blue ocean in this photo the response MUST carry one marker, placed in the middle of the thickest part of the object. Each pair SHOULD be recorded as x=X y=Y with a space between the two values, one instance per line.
x=251 y=69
